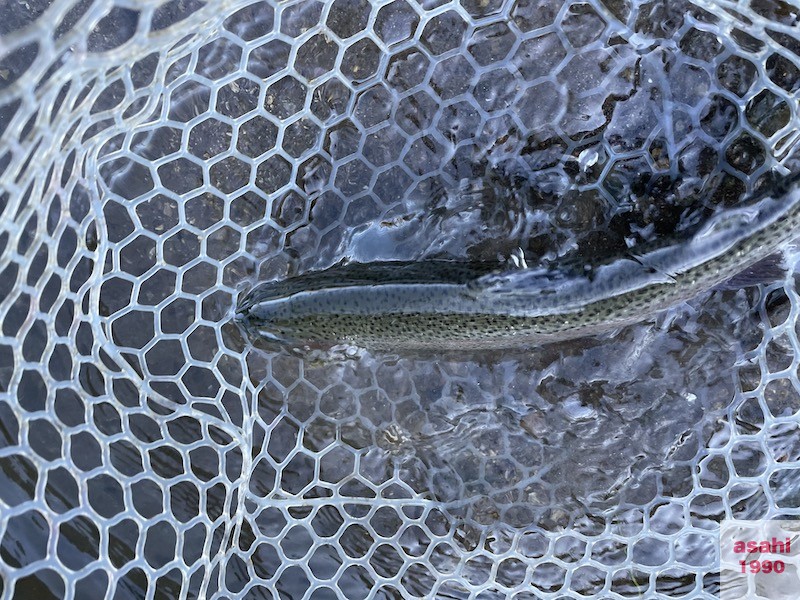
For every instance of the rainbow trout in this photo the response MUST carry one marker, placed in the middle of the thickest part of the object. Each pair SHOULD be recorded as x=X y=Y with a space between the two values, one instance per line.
x=451 y=305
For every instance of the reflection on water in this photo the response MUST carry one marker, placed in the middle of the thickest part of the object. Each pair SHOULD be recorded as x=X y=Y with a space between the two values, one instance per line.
x=601 y=437
x=543 y=436
x=155 y=175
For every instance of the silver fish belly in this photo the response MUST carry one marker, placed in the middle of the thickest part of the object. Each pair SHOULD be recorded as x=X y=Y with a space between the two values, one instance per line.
x=450 y=305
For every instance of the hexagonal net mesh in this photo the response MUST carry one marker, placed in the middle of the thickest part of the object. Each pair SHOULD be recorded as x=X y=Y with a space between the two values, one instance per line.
x=160 y=158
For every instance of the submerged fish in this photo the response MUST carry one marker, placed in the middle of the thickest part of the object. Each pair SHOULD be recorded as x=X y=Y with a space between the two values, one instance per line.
x=450 y=305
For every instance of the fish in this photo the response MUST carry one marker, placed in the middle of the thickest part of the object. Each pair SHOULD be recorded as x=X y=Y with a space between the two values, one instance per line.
x=451 y=305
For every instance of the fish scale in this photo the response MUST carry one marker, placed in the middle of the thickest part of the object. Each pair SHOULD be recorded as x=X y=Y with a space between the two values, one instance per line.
x=451 y=305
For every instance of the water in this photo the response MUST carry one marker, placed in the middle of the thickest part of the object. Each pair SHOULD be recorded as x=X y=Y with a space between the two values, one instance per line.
x=145 y=438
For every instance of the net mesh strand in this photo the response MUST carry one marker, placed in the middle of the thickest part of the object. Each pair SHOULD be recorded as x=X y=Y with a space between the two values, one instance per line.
x=158 y=159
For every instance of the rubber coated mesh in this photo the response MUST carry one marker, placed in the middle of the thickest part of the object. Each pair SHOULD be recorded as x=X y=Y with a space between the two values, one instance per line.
x=160 y=159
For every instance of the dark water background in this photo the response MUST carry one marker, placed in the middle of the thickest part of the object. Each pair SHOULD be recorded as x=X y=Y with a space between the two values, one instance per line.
x=146 y=444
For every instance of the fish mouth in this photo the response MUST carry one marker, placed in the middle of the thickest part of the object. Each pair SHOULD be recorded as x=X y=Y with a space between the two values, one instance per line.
x=243 y=306
x=245 y=303
x=259 y=328
x=243 y=316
